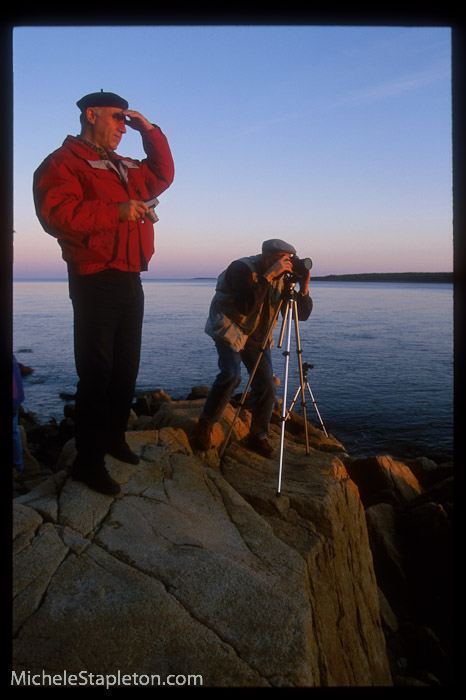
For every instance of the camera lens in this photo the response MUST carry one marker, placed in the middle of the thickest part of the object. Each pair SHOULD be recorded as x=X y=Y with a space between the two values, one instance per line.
x=301 y=266
x=307 y=262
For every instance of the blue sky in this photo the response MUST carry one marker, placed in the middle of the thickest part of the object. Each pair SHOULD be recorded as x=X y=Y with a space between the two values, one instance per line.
x=337 y=139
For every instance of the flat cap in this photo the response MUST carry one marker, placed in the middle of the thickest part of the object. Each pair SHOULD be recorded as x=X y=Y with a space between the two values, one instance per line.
x=275 y=245
x=102 y=99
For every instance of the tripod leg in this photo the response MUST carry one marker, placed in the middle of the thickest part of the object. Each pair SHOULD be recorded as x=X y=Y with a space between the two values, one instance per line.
x=301 y=375
x=292 y=404
x=317 y=410
x=313 y=401
x=251 y=377
x=288 y=318
x=282 y=331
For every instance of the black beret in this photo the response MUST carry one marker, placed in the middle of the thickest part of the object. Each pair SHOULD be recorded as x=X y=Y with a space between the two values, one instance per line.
x=102 y=99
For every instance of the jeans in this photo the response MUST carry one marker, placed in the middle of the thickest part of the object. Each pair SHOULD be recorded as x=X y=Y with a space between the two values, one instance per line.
x=263 y=386
x=108 y=312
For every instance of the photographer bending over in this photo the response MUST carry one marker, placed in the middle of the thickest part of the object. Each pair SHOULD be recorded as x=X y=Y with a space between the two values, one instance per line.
x=247 y=293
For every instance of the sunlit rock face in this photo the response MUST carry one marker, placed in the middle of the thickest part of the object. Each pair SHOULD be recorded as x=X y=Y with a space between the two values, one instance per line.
x=198 y=567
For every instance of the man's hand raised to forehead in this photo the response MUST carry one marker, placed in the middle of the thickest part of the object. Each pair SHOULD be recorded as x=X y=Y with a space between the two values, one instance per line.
x=136 y=121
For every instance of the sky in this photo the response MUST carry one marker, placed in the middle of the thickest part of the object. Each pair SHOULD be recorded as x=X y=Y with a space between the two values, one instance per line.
x=335 y=139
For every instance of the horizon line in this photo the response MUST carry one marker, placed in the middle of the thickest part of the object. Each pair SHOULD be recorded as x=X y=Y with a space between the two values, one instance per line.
x=207 y=277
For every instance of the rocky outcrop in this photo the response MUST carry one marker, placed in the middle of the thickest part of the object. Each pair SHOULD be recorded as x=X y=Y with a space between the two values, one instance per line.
x=409 y=515
x=198 y=568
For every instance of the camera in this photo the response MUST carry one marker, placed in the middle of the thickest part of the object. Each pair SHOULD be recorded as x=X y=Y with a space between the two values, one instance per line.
x=301 y=266
x=152 y=203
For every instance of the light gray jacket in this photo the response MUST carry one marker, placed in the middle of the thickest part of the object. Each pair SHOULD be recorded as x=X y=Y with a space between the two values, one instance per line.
x=225 y=323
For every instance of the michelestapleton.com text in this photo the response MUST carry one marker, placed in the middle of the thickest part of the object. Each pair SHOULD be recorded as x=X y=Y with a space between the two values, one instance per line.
x=108 y=680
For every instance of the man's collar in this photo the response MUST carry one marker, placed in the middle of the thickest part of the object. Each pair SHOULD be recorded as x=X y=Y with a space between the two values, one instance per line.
x=98 y=149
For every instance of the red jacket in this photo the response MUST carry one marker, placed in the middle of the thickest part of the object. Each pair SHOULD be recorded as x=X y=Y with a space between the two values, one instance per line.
x=76 y=196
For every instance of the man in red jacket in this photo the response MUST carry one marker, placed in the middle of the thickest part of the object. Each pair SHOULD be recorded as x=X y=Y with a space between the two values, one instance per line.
x=93 y=201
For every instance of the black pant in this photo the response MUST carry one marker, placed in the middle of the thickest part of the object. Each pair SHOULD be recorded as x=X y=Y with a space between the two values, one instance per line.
x=108 y=312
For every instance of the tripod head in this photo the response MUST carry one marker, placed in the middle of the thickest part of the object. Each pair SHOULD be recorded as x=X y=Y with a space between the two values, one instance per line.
x=289 y=283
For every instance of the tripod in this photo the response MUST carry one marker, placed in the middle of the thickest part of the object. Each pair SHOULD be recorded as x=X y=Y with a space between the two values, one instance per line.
x=306 y=367
x=291 y=314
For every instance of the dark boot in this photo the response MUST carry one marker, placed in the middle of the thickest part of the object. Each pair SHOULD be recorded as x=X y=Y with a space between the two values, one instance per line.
x=123 y=452
x=202 y=436
x=97 y=478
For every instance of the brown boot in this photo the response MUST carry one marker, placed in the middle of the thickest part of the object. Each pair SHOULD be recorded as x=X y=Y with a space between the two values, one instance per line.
x=259 y=445
x=202 y=436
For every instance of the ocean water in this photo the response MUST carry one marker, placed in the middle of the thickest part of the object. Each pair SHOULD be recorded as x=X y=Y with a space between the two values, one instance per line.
x=382 y=356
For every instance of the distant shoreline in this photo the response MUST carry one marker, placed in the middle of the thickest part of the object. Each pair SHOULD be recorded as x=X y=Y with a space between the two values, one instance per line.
x=389 y=277
x=375 y=277
x=442 y=277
